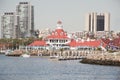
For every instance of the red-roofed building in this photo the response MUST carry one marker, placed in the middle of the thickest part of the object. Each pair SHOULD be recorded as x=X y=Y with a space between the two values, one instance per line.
x=105 y=41
x=115 y=44
x=58 y=38
x=84 y=44
x=73 y=43
x=39 y=44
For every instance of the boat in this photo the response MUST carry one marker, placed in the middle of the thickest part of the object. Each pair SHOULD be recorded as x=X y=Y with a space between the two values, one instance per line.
x=53 y=57
x=25 y=55
x=8 y=52
x=5 y=51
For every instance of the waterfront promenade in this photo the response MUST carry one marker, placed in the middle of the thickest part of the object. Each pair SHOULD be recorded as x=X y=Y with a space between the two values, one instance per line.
x=66 y=54
x=86 y=56
x=70 y=54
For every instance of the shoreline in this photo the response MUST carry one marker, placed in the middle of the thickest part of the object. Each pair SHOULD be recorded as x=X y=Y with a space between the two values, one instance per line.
x=100 y=62
x=106 y=58
x=95 y=57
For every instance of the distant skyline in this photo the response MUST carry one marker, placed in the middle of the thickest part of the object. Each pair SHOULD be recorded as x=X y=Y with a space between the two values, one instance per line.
x=70 y=12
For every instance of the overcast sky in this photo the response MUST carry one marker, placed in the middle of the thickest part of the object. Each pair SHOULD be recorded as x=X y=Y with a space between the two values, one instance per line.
x=71 y=12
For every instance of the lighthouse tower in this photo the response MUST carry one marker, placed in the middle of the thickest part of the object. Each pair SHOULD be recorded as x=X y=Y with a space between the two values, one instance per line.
x=59 y=25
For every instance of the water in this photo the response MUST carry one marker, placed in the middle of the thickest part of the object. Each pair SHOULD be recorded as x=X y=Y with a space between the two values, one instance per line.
x=37 y=68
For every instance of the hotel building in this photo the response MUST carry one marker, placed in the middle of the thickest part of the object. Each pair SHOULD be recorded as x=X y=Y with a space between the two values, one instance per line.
x=58 y=38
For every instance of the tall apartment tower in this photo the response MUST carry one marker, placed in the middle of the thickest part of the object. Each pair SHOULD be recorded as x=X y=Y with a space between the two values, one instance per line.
x=8 y=25
x=97 y=22
x=25 y=12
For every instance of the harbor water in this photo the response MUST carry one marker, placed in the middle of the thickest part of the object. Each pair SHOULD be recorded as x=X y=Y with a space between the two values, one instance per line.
x=41 y=68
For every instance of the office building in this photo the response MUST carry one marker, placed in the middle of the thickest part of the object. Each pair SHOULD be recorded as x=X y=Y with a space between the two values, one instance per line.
x=97 y=22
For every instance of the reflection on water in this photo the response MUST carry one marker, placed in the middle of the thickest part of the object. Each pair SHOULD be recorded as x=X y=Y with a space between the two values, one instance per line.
x=37 y=68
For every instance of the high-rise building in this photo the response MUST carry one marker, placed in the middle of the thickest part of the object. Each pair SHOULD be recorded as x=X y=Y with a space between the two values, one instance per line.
x=97 y=22
x=25 y=12
x=8 y=25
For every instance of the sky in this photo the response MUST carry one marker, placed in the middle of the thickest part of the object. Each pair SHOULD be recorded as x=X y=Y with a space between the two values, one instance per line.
x=70 y=12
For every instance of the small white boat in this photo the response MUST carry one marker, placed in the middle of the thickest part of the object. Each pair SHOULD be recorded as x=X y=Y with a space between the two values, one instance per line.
x=8 y=52
x=25 y=55
x=53 y=57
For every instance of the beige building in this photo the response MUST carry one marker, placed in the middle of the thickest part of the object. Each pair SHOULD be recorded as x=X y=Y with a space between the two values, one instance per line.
x=97 y=22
